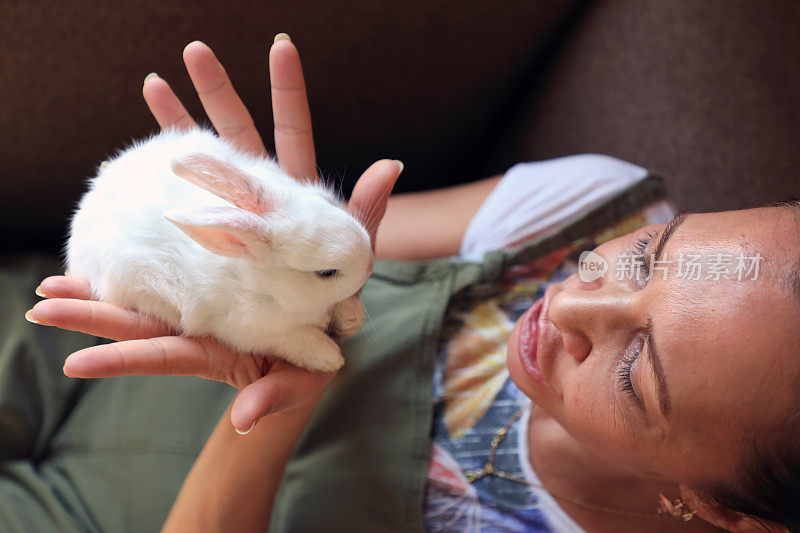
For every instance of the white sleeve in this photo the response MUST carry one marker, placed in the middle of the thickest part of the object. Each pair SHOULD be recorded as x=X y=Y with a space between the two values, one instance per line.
x=532 y=198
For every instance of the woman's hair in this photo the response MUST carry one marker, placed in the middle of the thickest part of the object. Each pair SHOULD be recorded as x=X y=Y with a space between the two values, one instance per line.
x=769 y=479
x=768 y=476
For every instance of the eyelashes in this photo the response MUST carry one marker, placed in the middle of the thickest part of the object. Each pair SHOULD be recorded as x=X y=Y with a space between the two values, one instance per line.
x=624 y=371
x=638 y=247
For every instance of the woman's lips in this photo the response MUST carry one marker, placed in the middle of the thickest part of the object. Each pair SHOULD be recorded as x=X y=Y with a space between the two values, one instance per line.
x=538 y=339
x=528 y=340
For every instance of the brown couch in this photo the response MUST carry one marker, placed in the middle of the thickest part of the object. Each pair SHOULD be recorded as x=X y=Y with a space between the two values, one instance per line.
x=707 y=92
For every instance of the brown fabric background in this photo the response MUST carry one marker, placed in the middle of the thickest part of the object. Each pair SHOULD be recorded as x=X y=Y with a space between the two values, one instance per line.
x=705 y=92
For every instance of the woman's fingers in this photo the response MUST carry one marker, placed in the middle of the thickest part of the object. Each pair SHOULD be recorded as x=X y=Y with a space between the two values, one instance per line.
x=294 y=141
x=96 y=318
x=64 y=287
x=181 y=356
x=372 y=190
x=164 y=105
x=223 y=106
x=284 y=388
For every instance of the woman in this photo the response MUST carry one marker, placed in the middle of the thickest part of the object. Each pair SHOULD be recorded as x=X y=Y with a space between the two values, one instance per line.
x=667 y=385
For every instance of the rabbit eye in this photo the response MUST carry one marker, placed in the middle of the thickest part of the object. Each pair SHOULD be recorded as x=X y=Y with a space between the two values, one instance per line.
x=326 y=273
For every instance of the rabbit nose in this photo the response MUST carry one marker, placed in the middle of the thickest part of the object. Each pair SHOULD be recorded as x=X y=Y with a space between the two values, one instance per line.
x=368 y=269
x=367 y=273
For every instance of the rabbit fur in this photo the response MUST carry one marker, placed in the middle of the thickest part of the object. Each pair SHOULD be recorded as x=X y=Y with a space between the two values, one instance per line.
x=215 y=241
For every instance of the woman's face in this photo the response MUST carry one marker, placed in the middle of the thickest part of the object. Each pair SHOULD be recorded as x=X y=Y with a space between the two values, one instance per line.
x=709 y=361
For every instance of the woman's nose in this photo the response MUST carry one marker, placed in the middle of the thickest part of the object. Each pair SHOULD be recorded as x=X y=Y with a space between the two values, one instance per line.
x=576 y=344
x=591 y=313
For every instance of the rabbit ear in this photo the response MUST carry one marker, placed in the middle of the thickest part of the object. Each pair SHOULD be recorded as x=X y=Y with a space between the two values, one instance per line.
x=223 y=230
x=225 y=180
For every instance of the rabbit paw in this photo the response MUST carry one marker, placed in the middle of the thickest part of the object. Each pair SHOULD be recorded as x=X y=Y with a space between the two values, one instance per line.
x=311 y=348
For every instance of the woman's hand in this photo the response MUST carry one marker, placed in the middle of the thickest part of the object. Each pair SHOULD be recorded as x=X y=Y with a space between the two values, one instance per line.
x=146 y=347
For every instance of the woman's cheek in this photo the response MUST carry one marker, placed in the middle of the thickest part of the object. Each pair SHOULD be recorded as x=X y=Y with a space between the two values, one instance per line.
x=580 y=394
x=586 y=412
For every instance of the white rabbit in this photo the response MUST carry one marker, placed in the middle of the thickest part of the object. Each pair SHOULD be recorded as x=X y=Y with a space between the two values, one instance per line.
x=237 y=249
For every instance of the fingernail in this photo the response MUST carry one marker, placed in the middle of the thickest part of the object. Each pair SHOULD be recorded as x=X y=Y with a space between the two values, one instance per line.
x=40 y=292
x=29 y=318
x=149 y=76
x=281 y=37
x=240 y=432
x=399 y=164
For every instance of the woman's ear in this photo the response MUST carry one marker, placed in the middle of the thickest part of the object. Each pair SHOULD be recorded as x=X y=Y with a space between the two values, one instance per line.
x=725 y=518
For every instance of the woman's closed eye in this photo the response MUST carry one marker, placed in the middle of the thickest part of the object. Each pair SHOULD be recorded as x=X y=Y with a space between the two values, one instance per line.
x=638 y=256
x=624 y=379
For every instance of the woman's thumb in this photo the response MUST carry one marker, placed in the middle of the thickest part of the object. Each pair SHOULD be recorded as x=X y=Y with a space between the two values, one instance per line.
x=278 y=391
x=368 y=201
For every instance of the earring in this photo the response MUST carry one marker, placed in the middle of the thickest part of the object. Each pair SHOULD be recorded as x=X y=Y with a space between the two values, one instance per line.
x=676 y=508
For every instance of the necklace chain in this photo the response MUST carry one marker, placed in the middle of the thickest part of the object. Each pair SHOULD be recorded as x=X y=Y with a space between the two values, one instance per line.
x=489 y=470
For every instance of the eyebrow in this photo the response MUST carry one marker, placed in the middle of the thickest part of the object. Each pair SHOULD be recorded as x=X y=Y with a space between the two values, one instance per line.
x=672 y=225
x=662 y=391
